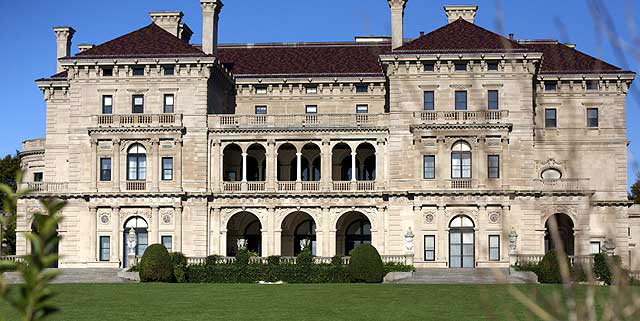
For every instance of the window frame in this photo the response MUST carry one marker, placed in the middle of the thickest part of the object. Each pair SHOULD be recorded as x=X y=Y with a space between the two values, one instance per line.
x=105 y=173
x=590 y=119
x=102 y=249
x=456 y=66
x=362 y=89
x=104 y=105
x=107 y=71
x=38 y=177
x=137 y=71
x=362 y=111
x=489 y=68
x=491 y=93
x=432 y=100
x=591 y=243
x=134 y=106
x=429 y=250
x=429 y=67
x=307 y=107
x=140 y=172
x=458 y=102
x=425 y=162
x=167 y=171
x=547 y=120
x=261 y=90
x=260 y=107
x=550 y=86
x=462 y=155
x=496 y=168
x=168 y=70
x=165 y=106
x=591 y=85
x=170 y=237
x=489 y=248
x=311 y=90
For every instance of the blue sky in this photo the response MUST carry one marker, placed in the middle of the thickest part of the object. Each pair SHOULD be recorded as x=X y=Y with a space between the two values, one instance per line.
x=29 y=44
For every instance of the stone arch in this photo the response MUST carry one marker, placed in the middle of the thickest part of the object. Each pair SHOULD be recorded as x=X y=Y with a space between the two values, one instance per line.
x=352 y=229
x=566 y=231
x=232 y=162
x=290 y=225
x=243 y=225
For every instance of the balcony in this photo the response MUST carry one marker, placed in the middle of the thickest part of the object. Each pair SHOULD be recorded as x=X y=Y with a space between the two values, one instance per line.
x=45 y=187
x=460 y=117
x=136 y=186
x=462 y=184
x=138 y=120
x=295 y=120
x=561 y=184
x=302 y=186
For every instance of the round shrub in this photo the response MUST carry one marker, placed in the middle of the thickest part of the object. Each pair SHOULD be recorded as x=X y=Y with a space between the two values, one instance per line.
x=605 y=266
x=242 y=257
x=155 y=265
x=305 y=258
x=549 y=268
x=366 y=265
x=179 y=263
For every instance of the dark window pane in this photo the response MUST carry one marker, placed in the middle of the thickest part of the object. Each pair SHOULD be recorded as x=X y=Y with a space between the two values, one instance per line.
x=37 y=177
x=261 y=110
x=429 y=167
x=592 y=117
x=105 y=248
x=362 y=89
x=107 y=104
x=429 y=247
x=105 y=169
x=492 y=66
x=138 y=71
x=168 y=71
x=169 y=101
x=592 y=85
x=493 y=99
x=550 y=86
x=138 y=104
x=429 y=67
x=461 y=100
x=167 y=242
x=429 y=100
x=494 y=166
x=107 y=72
x=550 y=118
x=494 y=247
x=167 y=168
x=461 y=66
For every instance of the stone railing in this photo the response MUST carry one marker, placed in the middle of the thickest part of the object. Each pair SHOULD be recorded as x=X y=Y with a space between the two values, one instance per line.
x=460 y=117
x=33 y=144
x=561 y=184
x=462 y=183
x=12 y=258
x=139 y=120
x=400 y=259
x=295 y=120
x=536 y=258
x=301 y=186
x=45 y=187
x=136 y=185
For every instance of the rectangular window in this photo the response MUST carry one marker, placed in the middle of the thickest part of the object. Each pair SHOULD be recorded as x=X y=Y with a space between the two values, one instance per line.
x=492 y=66
x=429 y=166
x=261 y=110
x=550 y=86
x=361 y=89
x=167 y=168
x=362 y=109
x=138 y=71
x=429 y=247
x=262 y=90
x=592 y=85
x=429 y=100
x=594 y=247
x=460 y=165
x=37 y=177
x=311 y=90
x=167 y=242
x=169 y=101
x=461 y=100
x=107 y=72
x=138 y=104
x=494 y=247
x=550 y=118
x=429 y=67
x=494 y=166
x=592 y=117
x=105 y=169
x=107 y=104
x=311 y=109
x=493 y=100
x=168 y=71
x=105 y=248
x=460 y=66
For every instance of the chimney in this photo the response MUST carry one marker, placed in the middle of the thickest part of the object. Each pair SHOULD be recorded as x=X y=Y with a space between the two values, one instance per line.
x=63 y=44
x=397 y=15
x=455 y=12
x=210 y=16
x=168 y=20
x=85 y=46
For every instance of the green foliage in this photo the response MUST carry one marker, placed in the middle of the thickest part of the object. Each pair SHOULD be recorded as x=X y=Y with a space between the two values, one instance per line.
x=604 y=267
x=134 y=268
x=366 y=265
x=242 y=258
x=548 y=270
x=635 y=191
x=179 y=263
x=213 y=259
x=397 y=267
x=273 y=260
x=305 y=258
x=155 y=265
x=10 y=176
x=336 y=260
x=251 y=273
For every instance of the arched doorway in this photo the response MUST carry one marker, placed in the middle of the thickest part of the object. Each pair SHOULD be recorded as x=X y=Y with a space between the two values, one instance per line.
x=461 y=242
x=244 y=226
x=287 y=163
x=366 y=162
x=341 y=162
x=352 y=230
x=232 y=163
x=256 y=163
x=54 y=250
x=565 y=231
x=134 y=228
x=297 y=227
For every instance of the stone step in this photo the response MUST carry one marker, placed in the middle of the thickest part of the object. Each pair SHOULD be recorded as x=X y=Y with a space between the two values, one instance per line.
x=467 y=276
x=76 y=275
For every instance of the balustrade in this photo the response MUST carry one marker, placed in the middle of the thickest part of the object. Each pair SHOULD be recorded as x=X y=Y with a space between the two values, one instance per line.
x=136 y=185
x=447 y=117
x=45 y=187
x=138 y=120
x=399 y=259
x=294 y=120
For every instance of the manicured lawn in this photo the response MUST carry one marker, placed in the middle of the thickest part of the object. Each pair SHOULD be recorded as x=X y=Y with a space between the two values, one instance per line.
x=288 y=302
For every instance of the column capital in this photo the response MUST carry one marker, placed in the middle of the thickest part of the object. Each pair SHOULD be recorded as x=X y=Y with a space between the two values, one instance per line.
x=116 y=141
x=93 y=208
x=245 y=154
x=115 y=208
x=179 y=141
x=155 y=207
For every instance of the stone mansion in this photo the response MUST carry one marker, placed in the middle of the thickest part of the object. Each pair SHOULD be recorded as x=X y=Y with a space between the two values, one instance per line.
x=451 y=149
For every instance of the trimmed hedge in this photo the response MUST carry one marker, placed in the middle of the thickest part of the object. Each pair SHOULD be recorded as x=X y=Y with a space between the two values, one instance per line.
x=156 y=265
x=548 y=270
x=179 y=263
x=251 y=273
x=366 y=265
x=605 y=266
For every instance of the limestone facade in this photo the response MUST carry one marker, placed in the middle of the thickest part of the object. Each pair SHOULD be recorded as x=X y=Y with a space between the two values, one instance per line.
x=336 y=159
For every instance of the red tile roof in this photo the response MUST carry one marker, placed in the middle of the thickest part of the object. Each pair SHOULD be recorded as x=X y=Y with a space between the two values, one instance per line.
x=461 y=36
x=304 y=59
x=560 y=58
x=150 y=41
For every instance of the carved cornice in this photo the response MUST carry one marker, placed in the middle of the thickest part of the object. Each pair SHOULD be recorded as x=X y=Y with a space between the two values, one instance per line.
x=301 y=130
x=97 y=130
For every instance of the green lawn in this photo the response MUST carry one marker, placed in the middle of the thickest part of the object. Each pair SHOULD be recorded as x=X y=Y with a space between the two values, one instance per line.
x=288 y=302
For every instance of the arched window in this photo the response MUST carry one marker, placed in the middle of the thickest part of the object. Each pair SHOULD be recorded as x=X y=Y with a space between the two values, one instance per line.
x=461 y=242
x=551 y=174
x=137 y=163
x=461 y=160
x=358 y=232
x=305 y=231
x=135 y=226
x=461 y=222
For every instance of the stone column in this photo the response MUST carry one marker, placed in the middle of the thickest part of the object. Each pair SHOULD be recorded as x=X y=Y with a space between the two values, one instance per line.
x=215 y=231
x=178 y=165
x=155 y=163
x=326 y=227
x=115 y=234
x=299 y=167
x=381 y=229
x=155 y=225
x=178 y=228
x=325 y=165
x=116 y=165
x=272 y=171
x=353 y=165
x=244 y=167
x=216 y=166
x=277 y=241
x=223 y=241
x=380 y=172
x=332 y=241
x=93 y=213
x=94 y=165
x=268 y=248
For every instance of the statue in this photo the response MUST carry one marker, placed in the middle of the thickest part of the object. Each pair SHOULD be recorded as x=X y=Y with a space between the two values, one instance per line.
x=513 y=237
x=408 y=238
x=132 y=242
x=609 y=246
x=304 y=243
x=242 y=244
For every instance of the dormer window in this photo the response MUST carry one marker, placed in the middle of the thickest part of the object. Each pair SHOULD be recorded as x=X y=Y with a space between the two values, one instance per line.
x=262 y=90
x=460 y=66
x=168 y=70
x=429 y=67
x=550 y=85
x=592 y=85
x=492 y=66
x=361 y=89
x=138 y=71
x=311 y=90
x=107 y=72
